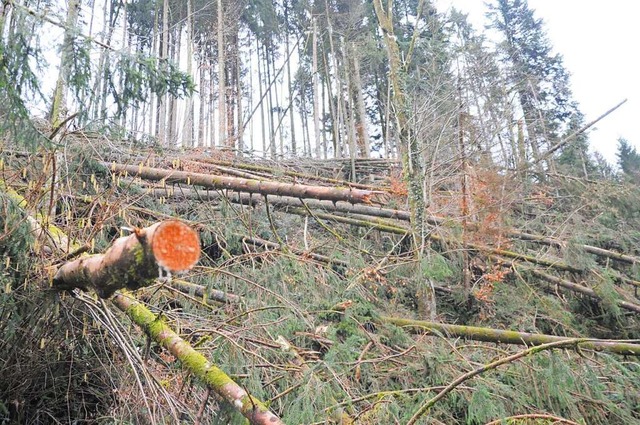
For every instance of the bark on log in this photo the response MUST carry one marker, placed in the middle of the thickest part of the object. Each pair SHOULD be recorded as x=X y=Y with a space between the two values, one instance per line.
x=214 y=377
x=630 y=259
x=196 y=363
x=354 y=196
x=566 y=284
x=392 y=228
x=289 y=173
x=284 y=201
x=133 y=261
x=46 y=235
x=279 y=201
x=202 y=292
x=575 y=287
x=508 y=337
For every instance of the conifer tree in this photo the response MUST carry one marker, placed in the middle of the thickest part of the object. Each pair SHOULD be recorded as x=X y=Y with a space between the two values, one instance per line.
x=628 y=160
x=535 y=73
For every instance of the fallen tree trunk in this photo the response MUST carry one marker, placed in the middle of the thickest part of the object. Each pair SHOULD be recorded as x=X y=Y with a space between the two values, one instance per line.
x=275 y=172
x=508 y=337
x=202 y=292
x=279 y=201
x=214 y=377
x=630 y=259
x=627 y=305
x=392 y=228
x=566 y=284
x=218 y=381
x=133 y=261
x=45 y=235
x=354 y=196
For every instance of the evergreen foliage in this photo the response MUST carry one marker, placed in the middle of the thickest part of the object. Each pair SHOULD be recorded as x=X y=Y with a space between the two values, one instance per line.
x=19 y=83
x=539 y=78
x=628 y=160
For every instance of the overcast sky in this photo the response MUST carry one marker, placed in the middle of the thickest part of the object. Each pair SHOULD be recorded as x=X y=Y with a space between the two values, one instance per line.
x=598 y=40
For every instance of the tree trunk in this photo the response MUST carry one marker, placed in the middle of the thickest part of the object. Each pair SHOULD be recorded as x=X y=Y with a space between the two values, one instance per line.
x=246 y=185
x=316 y=94
x=361 y=122
x=507 y=337
x=277 y=201
x=133 y=261
x=188 y=125
x=272 y=135
x=172 y=119
x=412 y=160
x=193 y=361
x=338 y=118
x=164 y=52
x=277 y=107
x=240 y=133
x=153 y=98
x=222 y=88
x=263 y=123
x=59 y=103
x=350 y=121
x=289 y=80
x=201 y=135
x=231 y=58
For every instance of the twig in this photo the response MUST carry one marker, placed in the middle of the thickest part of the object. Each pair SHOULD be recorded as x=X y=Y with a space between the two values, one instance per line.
x=533 y=416
x=202 y=407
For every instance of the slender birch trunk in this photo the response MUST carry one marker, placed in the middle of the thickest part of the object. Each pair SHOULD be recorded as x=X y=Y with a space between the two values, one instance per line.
x=59 y=103
x=316 y=95
x=222 y=114
x=164 y=52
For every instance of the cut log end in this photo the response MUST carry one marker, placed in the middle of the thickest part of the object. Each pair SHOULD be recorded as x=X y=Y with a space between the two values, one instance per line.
x=175 y=246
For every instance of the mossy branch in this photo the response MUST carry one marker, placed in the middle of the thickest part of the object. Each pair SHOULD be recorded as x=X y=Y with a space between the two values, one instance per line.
x=215 y=379
x=509 y=337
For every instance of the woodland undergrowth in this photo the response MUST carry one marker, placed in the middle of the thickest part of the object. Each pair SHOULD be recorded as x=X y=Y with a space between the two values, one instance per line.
x=306 y=335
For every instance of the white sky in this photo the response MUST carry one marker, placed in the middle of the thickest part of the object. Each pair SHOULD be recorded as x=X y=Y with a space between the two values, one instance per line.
x=598 y=40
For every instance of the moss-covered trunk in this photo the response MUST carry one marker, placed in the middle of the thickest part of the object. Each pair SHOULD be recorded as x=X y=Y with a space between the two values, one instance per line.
x=218 y=381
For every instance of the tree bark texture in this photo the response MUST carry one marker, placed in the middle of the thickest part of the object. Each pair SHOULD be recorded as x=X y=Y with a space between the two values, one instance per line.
x=277 y=201
x=133 y=261
x=60 y=94
x=354 y=196
x=412 y=161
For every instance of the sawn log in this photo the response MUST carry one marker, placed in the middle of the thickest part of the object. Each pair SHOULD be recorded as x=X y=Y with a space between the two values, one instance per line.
x=133 y=261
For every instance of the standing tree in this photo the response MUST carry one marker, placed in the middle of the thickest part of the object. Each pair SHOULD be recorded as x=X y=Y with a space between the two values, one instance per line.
x=59 y=103
x=535 y=73
x=628 y=160
x=412 y=160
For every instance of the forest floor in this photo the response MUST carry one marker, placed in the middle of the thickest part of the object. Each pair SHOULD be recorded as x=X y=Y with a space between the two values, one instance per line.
x=310 y=295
